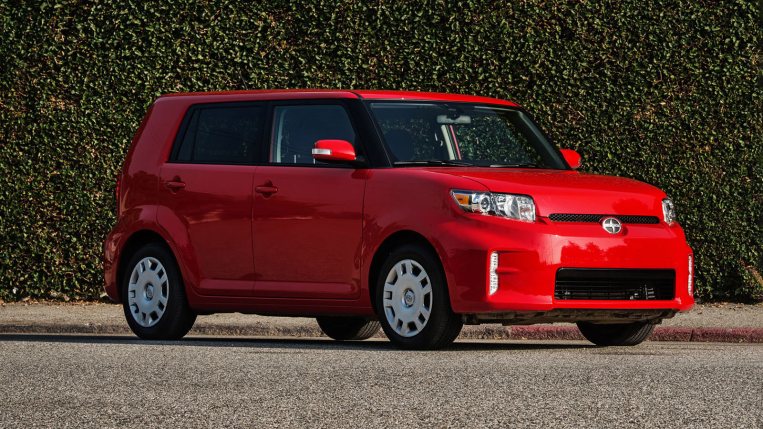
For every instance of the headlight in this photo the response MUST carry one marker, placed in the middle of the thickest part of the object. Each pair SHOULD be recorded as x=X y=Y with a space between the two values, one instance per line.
x=668 y=211
x=519 y=207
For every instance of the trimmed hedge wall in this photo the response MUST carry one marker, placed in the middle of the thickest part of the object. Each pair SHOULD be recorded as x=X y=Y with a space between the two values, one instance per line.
x=668 y=93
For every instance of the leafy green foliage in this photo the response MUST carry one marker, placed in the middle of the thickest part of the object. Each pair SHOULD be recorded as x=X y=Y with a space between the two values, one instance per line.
x=668 y=93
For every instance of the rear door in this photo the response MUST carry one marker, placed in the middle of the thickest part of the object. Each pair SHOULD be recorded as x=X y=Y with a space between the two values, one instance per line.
x=307 y=220
x=207 y=188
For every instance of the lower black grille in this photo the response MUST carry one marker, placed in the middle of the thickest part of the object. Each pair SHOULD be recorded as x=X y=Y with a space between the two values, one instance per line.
x=617 y=284
x=596 y=218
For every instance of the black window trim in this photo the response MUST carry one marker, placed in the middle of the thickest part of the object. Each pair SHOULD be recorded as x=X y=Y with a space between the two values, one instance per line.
x=188 y=118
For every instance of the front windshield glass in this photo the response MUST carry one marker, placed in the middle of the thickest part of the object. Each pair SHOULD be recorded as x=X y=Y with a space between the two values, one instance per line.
x=456 y=134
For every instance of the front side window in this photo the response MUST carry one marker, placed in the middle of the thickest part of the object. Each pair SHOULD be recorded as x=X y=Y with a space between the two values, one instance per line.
x=462 y=134
x=297 y=128
x=221 y=135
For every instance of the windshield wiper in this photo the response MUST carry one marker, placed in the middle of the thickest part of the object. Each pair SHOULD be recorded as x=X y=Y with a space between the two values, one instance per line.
x=526 y=165
x=446 y=162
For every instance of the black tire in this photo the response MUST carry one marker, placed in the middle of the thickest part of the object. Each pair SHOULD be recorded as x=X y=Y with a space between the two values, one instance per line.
x=348 y=328
x=177 y=317
x=620 y=334
x=443 y=326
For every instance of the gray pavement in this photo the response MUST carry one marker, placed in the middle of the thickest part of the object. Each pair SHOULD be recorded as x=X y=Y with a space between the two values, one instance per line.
x=721 y=322
x=118 y=381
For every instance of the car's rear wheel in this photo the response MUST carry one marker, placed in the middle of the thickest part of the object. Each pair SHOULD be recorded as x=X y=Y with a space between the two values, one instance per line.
x=620 y=334
x=348 y=328
x=153 y=295
x=412 y=300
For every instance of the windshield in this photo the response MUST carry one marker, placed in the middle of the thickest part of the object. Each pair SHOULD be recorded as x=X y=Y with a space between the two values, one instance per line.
x=462 y=134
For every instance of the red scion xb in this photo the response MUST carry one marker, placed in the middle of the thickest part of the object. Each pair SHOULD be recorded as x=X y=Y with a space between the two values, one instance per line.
x=414 y=212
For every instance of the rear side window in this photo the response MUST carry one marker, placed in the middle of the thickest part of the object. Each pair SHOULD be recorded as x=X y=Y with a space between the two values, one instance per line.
x=221 y=135
x=297 y=128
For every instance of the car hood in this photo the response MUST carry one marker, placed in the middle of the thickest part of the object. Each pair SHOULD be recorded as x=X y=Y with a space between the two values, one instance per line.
x=567 y=191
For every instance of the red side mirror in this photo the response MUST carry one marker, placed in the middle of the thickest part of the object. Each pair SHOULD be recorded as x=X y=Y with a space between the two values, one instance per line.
x=334 y=151
x=572 y=158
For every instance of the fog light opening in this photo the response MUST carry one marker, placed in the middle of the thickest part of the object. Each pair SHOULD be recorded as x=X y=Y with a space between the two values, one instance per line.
x=493 y=272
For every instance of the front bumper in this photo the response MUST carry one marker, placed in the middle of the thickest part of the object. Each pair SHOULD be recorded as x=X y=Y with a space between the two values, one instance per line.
x=530 y=255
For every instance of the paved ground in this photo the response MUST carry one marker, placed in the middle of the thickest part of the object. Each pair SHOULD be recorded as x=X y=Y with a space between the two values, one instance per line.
x=116 y=381
x=710 y=322
x=721 y=322
x=722 y=315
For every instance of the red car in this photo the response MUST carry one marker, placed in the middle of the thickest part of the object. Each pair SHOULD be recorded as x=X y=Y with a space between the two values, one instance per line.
x=419 y=212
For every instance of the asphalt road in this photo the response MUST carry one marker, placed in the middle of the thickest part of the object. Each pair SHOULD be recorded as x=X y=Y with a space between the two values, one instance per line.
x=114 y=381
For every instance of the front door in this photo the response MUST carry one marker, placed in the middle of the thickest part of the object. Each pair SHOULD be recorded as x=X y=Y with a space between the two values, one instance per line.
x=307 y=220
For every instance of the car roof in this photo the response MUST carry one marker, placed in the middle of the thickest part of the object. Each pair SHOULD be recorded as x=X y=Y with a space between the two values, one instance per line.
x=388 y=95
x=430 y=96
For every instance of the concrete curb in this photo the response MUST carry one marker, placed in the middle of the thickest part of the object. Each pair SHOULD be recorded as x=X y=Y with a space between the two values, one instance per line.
x=541 y=332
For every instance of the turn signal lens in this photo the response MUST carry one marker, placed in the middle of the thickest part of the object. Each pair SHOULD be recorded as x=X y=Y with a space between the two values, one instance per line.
x=461 y=199
x=493 y=272
x=690 y=281
x=518 y=207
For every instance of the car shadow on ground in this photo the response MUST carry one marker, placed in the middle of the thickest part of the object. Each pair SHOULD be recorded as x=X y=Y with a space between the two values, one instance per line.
x=284 y=343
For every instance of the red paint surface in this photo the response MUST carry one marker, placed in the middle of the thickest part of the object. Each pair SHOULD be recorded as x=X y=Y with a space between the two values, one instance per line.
x=572 y=158
x=339 y=150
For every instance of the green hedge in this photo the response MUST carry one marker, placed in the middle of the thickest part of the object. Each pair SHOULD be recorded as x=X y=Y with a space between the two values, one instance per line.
x=668 y=93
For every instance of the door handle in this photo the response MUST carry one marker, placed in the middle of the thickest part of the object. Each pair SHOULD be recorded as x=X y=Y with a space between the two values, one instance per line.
x=267 y=189
x=175 y=184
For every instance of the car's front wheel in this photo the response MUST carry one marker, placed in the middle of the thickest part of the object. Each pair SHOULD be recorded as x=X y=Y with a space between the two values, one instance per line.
x=153 y=295
x=412 y=300
x=619 y=334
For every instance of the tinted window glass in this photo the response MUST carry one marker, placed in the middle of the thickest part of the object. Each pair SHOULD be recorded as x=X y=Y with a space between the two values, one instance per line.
x=297 y=128
x=410 y=132
x=500 y=136
x=222 y=135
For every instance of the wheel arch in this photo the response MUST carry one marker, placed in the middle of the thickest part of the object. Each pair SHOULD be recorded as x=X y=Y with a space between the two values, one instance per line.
x=392 y=242
x=136 y=241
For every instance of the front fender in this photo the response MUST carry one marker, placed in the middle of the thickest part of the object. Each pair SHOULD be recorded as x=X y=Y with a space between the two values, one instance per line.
x=412 y=200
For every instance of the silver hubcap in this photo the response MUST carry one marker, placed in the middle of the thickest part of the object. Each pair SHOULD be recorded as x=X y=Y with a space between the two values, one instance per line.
x=148 y=291
x=407 y=298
